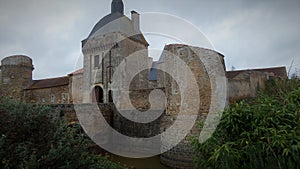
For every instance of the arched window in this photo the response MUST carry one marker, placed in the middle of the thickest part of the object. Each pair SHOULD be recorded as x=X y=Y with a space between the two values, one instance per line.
x=98 y=94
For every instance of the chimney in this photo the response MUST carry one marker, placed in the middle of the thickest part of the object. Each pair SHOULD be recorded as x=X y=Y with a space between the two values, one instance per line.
x=135 y=17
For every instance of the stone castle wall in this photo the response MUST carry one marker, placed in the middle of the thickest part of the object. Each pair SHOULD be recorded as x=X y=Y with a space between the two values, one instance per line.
x=112 y=117
x=51 y=95
x=246 y=85
x=76 y=88
x=68 y=111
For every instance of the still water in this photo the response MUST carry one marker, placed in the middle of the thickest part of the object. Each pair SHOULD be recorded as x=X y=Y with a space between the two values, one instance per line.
x=133 y=163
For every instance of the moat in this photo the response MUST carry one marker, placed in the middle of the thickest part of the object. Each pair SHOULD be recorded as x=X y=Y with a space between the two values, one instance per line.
x=144 y=163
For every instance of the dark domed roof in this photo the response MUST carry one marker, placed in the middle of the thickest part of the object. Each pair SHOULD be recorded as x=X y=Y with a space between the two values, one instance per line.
x=105 y=20
x=117 y=11
x=116 y=21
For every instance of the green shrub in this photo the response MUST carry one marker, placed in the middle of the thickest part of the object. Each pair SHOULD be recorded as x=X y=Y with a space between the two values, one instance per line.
x=259 y=133
x=30 y=140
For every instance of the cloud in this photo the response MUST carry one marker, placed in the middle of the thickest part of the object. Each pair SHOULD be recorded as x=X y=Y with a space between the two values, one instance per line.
x=249 y=33
x=48 y=32
x=262 y=36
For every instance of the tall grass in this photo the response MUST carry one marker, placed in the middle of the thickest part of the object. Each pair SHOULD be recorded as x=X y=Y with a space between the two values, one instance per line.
x=255 y=134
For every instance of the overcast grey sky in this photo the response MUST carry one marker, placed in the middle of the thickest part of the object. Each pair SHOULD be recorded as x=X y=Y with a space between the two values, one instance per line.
x=251 y=34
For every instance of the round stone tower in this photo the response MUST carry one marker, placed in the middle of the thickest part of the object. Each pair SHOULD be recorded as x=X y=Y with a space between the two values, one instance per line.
x=206 y=65
x=16 y=74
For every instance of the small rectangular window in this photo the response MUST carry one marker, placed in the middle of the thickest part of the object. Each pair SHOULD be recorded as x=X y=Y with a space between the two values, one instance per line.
x=65 y=97
x=6 y=80
x=96 y=61
x=52 y=98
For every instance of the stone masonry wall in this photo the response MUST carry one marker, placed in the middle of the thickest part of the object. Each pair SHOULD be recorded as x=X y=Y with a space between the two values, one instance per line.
x=68 y=112
x=111 y=53
x=181 y=156
x=51 y=95
x=95 y=130
x=76 y=88
x=245 y=85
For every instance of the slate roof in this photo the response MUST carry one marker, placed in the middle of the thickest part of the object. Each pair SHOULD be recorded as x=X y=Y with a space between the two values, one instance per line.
x=104 y=21
x=79 y=71
x=48 y=83
x=111 y=17
x=139 y=38
x=276 y=71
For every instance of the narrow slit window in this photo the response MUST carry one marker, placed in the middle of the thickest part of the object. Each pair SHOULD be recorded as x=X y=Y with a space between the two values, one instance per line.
x=96 y=61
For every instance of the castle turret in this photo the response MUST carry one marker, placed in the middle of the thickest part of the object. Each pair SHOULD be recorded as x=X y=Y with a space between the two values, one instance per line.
x=16 y=75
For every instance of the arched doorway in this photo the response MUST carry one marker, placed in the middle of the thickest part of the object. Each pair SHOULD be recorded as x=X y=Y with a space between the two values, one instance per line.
x=110 y=96
x=98 y=94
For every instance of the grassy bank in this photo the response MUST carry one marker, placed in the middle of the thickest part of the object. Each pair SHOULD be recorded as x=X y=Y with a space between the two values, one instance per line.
x=257 y=133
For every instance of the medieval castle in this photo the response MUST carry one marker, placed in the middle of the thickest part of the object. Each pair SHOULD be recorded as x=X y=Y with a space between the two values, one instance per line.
x=116 y=44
